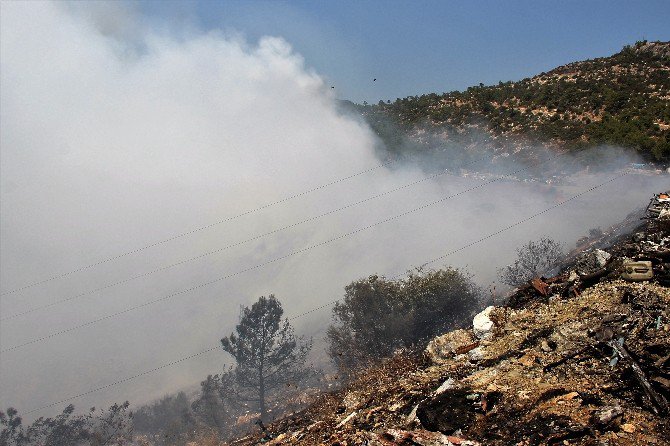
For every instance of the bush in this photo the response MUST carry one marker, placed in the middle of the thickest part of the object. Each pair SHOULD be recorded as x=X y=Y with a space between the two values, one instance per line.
x=534 y=259
x=377 y=315
x=107 y=427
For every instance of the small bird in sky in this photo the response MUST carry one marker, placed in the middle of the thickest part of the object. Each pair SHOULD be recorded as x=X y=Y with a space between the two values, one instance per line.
x=332 y=87
x=374 y=79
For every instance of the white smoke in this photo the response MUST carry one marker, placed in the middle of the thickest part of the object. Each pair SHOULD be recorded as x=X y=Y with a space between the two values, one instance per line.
x=114 y=136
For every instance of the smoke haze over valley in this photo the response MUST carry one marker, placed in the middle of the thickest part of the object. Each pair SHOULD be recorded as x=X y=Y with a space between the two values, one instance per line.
x=116 y=136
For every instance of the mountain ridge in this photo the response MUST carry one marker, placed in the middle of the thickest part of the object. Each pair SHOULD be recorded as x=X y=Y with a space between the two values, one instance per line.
x=621 y=100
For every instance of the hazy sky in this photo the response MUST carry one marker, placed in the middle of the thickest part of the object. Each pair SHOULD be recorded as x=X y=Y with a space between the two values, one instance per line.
x=119 y=129
x=415 y=47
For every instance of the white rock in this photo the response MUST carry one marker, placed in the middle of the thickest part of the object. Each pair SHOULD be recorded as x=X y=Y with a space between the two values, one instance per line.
x=602 y=256
x=444 y=347
x=448 y=384
x=476 y=354
x=573 y=276
x=412 y=419
x=347 y=419
x=482 y=324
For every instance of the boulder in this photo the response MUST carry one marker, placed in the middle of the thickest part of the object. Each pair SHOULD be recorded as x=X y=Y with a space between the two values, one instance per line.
x=482 y=324
x=448 y=345
x=592 y=261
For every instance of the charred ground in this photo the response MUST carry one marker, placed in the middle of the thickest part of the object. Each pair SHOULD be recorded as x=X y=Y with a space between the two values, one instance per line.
x=580 y=358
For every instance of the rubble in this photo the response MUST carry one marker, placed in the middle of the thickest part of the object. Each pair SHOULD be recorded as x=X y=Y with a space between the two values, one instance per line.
x=419 y=437
x=450 y=344
x=582 y=358
x=659 y=206
x=592 y=261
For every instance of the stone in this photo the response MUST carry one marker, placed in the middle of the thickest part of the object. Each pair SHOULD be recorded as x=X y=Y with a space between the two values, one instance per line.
x=602 y=257
x=476 y=354
x=482 y=324
x=444 y=347
x=448 y=384
x=605 y=415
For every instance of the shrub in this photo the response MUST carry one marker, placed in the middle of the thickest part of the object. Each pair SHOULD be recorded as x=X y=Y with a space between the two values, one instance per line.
x=534 y=259
x=377 y=315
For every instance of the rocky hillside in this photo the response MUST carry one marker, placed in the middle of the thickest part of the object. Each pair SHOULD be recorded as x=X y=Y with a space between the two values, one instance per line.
x=582 y=358
x=621 y=100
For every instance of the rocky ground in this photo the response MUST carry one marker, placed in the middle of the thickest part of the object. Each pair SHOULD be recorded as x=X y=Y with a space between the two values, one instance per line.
x=582 y=358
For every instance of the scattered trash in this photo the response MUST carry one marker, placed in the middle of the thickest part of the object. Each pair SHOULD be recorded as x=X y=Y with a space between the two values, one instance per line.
x=540 y=286
x=579 y=358
x=659 y=206
x=637 y=271
x=346 y=419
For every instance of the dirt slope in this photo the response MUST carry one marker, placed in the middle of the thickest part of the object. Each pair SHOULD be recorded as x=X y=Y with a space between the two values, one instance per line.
x=582 y=358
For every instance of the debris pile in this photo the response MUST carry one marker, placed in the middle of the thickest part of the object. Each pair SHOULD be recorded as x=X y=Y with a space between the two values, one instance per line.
x=582 y=358
x=659 y=206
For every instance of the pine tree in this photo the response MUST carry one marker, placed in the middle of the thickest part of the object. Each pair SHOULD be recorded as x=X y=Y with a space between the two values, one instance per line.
x=267 y=353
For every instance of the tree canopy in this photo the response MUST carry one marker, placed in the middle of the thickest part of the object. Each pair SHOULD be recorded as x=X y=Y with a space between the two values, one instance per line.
x=377 y=315
x=266 y=351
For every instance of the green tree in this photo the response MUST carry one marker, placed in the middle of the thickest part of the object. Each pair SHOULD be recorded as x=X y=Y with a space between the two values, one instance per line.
x=108 y=427
x=168 y=419
x=212 y=407
x=439 y=300
x=377 y=315
x=368 y=322
x=267 y=353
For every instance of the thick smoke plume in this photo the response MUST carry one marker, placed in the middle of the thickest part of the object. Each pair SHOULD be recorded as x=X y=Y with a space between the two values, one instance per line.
x=115 y=136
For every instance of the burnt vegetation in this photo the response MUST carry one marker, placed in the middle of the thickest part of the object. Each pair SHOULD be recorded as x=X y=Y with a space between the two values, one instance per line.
x=270 y=377
x=386 y=387
x=576 y=358
x=534 y=259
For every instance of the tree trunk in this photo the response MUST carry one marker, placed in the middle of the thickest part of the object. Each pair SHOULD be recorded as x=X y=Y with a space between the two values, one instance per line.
x=261 y=398
x=261 y=378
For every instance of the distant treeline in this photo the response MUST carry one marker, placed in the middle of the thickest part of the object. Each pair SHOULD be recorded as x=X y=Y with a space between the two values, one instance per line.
x=622 y=100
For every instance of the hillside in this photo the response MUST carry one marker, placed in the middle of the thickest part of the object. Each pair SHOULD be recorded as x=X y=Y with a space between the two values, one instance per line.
x=621 y=100
x=581 y=358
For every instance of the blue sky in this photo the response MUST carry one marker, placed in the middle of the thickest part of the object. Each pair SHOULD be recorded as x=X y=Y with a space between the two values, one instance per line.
x=415 y=47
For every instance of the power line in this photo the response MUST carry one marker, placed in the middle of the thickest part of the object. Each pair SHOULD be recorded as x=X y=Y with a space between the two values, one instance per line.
x=494 y=234
x=228 y=276
x=206 y=254
x=146 y=372
x=491 y=235
x=199 y=229
x=520 y=221
x=155 y=369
